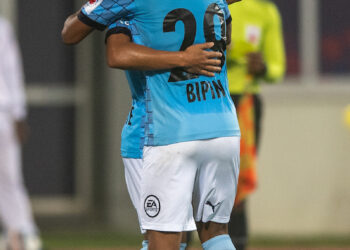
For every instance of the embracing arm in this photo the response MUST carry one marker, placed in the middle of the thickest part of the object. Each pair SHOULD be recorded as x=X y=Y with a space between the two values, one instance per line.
x=122 y=53
x=74 y=30
x=93 y=15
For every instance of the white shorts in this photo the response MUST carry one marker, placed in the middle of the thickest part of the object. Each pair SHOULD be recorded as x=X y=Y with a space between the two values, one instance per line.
x=133 y=169
x=203 y=173
x=133 y=177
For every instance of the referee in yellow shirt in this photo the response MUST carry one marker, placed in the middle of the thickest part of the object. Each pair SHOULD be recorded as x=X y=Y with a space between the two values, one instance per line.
x=256 y=55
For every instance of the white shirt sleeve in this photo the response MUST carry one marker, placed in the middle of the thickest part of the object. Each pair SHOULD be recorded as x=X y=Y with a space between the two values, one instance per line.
x=12 y=72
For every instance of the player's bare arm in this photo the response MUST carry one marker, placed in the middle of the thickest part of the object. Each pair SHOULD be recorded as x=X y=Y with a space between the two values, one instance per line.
x=195 y=59
x=75 y=30
x=122 y=53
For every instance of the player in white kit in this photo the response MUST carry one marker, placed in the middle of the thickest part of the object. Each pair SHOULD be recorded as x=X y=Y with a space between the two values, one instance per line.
x=20 y=231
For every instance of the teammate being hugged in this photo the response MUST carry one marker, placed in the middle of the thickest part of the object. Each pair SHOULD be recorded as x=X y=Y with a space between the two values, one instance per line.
x=133 y=131
x=191 y=129
x=121 y=39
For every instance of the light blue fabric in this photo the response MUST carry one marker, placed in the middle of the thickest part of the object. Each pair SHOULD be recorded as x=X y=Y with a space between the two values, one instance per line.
x=183 y=246
x=133 y=132
x=221 y=242
x=179 y=106
x=144 y=245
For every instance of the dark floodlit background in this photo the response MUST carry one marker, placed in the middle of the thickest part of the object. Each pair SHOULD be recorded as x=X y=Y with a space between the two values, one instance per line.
x=77 y=108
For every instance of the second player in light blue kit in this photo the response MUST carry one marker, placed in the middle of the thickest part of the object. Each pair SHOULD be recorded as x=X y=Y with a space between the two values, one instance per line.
x=133 y=133
x=119 y=41
x=192 y=133
x=175 y=25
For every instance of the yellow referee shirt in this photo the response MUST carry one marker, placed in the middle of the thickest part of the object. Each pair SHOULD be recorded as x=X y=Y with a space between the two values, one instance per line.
x=256 y=27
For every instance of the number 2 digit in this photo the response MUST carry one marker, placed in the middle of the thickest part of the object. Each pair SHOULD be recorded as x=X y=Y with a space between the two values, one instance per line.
x=190 y=33
x=190 y=24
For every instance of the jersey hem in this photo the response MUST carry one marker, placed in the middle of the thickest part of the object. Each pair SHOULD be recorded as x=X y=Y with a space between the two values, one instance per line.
x=162 y=141
x=131 y=154
x=168 y=227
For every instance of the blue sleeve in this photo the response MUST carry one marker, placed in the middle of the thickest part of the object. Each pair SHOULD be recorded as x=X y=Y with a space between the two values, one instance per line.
x=120 y=26
x=101 y=13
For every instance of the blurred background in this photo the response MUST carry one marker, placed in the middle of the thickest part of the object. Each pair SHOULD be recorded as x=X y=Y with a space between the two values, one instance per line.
x=77 y=107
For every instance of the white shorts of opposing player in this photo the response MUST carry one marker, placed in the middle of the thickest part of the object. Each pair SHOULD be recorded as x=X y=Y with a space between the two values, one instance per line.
x=203 y=173
x=15 y=211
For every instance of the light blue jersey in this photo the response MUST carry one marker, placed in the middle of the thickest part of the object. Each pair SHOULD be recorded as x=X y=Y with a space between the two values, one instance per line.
x=133 y=133
x=179 y=106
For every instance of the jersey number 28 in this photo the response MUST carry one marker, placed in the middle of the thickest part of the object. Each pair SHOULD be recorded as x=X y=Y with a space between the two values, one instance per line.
x=190 y=25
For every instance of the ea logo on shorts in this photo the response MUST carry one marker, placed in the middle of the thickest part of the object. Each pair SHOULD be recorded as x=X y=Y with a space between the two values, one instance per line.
x=152 y=206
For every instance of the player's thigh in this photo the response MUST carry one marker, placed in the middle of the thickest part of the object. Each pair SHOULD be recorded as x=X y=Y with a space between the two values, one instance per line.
x=167 y=183
x=216 y=182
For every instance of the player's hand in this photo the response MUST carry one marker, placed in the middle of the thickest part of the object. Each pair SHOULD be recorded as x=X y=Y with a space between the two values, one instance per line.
x=22 y=130
x=232 y=1
x=256 y=64
x=202 y=62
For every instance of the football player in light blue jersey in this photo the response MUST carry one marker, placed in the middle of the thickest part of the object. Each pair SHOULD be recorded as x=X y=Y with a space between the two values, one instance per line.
x=183 y=163
x=175 y=25
x=188 y=119
x=133 y=131
x=195 y=59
